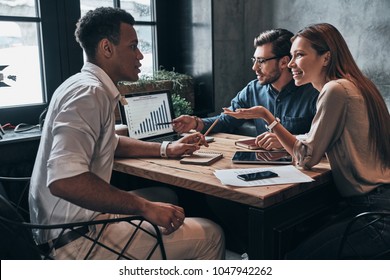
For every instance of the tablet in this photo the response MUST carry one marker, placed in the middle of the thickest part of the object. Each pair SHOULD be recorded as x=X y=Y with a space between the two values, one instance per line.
x=262 y=157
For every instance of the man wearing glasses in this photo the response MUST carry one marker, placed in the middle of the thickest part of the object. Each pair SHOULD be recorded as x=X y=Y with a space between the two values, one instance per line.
x=274 y=89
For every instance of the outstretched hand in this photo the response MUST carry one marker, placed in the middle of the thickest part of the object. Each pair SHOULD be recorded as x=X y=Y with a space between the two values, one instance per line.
x=246 y=113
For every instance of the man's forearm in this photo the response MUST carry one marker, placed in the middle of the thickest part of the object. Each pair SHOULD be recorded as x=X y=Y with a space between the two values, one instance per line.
x=89 y=191
x=128 y=147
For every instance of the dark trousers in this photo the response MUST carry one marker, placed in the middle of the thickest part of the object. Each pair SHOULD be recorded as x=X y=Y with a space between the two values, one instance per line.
x=324 y=245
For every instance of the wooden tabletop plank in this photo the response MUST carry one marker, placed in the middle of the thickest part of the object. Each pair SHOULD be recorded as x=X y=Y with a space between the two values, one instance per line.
x=202 y=179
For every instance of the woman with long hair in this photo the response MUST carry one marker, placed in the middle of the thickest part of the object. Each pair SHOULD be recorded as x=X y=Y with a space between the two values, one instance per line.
x=352 y=127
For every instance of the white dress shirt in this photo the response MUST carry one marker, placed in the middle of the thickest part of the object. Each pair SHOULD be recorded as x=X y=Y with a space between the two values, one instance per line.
x=78 y=136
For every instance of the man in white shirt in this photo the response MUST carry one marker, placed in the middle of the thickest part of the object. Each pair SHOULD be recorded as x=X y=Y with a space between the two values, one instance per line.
x=70 y=180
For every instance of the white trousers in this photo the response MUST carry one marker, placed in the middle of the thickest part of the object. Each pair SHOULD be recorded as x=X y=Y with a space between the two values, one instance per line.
x=197 y=238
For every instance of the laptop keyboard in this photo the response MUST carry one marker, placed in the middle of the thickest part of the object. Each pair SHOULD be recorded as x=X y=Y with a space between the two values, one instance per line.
x=165 y=138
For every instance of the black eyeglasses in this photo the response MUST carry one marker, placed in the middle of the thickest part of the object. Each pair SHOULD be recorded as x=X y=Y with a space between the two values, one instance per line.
x=261 y=61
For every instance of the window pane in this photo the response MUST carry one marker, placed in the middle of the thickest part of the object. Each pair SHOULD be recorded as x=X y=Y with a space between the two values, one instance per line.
x=145 y=39
x=20 y=71
x=18 y=8
x=86 y=5
x=139 y=9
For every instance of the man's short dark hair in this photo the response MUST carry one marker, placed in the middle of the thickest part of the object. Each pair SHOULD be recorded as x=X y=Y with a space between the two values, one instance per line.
x=279 y=38
x=103 y=22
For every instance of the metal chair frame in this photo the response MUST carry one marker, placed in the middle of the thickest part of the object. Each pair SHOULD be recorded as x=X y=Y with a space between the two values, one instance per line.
x=12 y=222
x=374 y=217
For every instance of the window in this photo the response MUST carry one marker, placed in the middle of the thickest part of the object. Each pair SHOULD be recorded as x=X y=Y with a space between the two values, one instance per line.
x=20 y=71
x=143 y=13
x=38 y=50
x=37 y=53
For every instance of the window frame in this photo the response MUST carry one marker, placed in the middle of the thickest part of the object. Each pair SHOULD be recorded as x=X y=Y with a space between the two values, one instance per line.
x=61 y=55
x=7 y=112
x=152 y=24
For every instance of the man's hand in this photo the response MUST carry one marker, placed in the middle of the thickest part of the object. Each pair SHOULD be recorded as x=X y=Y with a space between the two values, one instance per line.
x=268 y=141
x=165 y=215
x=187 y=145
x=185 y=123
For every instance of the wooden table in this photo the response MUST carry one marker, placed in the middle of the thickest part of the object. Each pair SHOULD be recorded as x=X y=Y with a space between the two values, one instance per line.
x=274 y=212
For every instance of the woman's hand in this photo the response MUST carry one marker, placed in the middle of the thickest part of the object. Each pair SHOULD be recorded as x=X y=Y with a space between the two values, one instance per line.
x=249 y=113
x=268 y=141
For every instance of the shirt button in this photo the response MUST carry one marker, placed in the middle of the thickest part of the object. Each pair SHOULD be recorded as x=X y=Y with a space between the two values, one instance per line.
x=278 y=100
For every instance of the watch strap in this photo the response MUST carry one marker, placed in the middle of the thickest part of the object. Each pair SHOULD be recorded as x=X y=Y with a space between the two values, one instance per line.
x=163 y=149
x=272 y=125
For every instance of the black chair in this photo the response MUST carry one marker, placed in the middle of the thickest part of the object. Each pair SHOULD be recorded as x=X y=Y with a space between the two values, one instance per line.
x=15 y=189
x=16 y=241
x=375 y=228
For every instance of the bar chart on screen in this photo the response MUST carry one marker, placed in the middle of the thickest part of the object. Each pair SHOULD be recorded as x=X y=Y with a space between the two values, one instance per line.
x=148 y=115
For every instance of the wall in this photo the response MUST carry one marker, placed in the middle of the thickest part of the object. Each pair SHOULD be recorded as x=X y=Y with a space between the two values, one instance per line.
x=365 y=25
x=229 y=41
x=185 y=44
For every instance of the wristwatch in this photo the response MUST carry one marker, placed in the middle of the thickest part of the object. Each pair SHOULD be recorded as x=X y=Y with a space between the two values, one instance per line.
x=197 y=120
x=272 y=125
x=163 y=149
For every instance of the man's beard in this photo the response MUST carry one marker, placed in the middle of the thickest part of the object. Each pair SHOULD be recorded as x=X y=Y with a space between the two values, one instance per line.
x=271 y=78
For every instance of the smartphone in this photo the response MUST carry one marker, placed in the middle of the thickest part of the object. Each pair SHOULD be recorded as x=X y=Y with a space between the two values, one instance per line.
x=257 y=176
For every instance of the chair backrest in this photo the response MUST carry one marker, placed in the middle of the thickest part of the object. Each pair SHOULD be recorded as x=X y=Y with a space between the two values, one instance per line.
x=367 y=237
x=15 y=189
x=16 y=241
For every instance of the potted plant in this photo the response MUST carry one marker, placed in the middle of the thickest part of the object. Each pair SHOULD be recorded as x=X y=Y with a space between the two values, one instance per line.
x=180 y=85
x=181 y=106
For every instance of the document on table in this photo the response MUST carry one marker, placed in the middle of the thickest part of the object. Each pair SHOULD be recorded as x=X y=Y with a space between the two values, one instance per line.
x=288 y=174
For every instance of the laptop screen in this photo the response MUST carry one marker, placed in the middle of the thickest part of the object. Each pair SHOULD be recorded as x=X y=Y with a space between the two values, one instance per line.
x=144 y=113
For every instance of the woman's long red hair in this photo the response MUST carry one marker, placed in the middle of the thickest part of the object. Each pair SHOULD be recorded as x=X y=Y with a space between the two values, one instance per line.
x=325 y=37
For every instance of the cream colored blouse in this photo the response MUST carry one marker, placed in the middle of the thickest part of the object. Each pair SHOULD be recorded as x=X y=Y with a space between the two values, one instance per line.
x=340 y=130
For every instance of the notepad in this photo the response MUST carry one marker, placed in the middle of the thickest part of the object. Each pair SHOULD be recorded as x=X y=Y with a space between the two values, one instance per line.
x=202 y=158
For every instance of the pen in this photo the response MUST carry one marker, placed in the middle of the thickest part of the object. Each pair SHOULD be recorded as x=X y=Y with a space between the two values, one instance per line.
x=164 y=123
x=209 y=130
x=211 y=127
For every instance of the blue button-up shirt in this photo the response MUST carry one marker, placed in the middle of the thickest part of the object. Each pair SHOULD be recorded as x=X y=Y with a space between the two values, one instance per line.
x=294 y=106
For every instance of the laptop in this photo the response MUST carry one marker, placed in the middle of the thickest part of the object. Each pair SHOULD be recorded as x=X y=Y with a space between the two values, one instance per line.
x=149 y=116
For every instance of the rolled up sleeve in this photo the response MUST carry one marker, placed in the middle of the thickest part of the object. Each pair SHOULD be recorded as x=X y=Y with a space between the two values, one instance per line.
x=69 y=156
x=75 y=132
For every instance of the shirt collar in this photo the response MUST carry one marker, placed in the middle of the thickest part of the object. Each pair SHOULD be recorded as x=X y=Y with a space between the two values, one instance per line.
x=103 y=77
x=287 y=88
x=290 y=86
